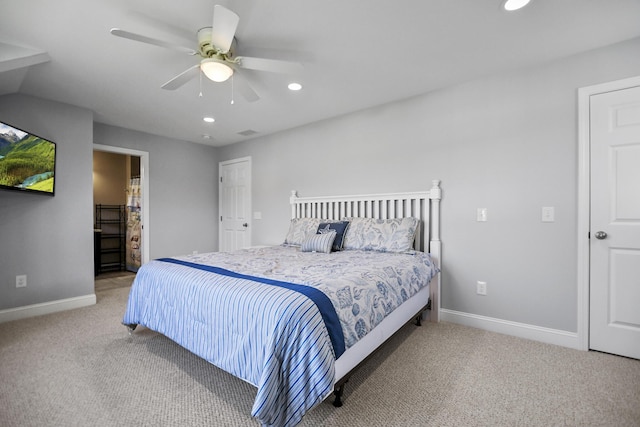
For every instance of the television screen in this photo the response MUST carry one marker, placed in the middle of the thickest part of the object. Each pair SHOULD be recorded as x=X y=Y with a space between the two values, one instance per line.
x=27 y=162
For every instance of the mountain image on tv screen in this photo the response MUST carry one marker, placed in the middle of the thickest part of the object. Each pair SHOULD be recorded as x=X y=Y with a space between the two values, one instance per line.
x=27 y=162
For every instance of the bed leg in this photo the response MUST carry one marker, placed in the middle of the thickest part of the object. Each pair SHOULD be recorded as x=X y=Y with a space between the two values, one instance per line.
x=419 y=319
x=419 y=316
x=131 y=328
x=338 y=394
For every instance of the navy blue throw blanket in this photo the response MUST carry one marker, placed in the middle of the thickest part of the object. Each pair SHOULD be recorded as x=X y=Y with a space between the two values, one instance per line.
x=323 y=302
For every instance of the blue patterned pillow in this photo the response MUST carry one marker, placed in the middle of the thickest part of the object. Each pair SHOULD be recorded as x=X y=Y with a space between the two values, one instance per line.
x=384 y=235
x=299 y=229
x=339 y=227
x=319 y=242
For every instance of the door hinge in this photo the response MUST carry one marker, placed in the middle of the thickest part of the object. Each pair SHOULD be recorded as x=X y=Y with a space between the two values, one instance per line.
x=220 y=218
x=220 y=179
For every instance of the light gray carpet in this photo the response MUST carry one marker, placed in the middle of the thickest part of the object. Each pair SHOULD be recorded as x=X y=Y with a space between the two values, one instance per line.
x=81 y=368
x=118 y=279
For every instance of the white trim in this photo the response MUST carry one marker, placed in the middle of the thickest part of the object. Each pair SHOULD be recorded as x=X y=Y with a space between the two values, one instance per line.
x=144 y=174
x=584 y=210
x=520 y=330
x=32 y=310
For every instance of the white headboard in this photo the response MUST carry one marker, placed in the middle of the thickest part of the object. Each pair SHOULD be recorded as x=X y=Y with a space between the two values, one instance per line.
x=423 y=205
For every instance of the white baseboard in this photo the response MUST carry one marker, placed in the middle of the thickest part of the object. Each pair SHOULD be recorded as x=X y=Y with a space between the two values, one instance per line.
x=46 y=308
x=521 y=330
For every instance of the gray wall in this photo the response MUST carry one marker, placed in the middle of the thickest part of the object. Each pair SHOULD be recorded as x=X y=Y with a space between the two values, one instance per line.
x=50 y=239
x=183 y=190
x=507 y=143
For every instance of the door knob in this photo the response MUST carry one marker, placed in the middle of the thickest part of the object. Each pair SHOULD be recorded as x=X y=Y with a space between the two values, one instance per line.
x=600 y=235
x=245 y=225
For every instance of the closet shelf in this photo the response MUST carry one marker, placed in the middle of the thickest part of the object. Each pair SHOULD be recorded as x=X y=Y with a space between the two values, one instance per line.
x=110 y=226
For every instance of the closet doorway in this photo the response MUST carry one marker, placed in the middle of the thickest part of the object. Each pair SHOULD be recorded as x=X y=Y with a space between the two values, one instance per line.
x=120 y=190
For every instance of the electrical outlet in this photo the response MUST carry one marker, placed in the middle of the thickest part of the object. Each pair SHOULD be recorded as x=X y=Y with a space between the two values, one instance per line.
x=21 y=281
x=481 y=288
x=548 y=214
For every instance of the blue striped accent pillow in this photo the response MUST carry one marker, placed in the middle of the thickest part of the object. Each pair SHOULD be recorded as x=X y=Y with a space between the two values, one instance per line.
x=319 y=242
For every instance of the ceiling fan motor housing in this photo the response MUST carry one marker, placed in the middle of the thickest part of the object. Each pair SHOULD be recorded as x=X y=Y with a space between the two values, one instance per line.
x=204 y=42
x=208 y=50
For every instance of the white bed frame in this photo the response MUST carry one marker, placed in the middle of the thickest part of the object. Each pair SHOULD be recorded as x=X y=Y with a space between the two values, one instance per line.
x=422 y=205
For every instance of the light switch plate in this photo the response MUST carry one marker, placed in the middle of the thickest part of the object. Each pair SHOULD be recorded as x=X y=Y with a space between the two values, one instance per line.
x=548 y=214
x=481 y=215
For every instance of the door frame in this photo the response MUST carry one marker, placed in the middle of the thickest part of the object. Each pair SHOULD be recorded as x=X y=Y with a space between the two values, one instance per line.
x=144 y=174
x=584 y=197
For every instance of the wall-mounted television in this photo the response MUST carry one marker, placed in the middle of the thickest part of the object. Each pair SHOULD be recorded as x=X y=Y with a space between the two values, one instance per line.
x=27 y=162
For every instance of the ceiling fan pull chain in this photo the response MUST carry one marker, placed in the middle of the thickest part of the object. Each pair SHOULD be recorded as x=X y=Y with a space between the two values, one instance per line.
x=231 y=89
x=200 y=75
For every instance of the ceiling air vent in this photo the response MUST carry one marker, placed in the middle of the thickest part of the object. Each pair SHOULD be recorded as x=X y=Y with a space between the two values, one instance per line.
x=247 y=132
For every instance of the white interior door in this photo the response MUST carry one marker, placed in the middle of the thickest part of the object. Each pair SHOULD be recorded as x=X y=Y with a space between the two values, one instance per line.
x=235 y=204
x=614 y=291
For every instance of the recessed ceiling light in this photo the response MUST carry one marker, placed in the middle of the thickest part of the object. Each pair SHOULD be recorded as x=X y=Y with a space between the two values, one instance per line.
x=511 y=5
x=209 y=119
x=294 y=86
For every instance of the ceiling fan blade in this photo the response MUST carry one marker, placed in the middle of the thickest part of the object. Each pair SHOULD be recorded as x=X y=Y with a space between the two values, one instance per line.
x=144 y=39
x=182 y=78
x=242 y=85
x=147 y=19
x=225 y=23
x=273 y=65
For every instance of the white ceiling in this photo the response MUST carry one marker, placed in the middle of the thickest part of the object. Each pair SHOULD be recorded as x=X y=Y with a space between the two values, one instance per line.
x=356 y=54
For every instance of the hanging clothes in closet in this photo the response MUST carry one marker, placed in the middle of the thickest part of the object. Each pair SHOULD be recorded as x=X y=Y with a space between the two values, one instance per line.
x=134 y=225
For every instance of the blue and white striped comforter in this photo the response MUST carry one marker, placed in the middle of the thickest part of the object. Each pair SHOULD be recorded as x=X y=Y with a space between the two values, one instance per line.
x=273 y=337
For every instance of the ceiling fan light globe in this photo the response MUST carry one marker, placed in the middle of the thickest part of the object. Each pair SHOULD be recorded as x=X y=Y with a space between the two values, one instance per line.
x=511 y=5
x=215 y=70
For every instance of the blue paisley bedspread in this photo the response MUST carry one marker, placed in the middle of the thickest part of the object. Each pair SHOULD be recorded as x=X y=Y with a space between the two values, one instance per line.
x=273 y=337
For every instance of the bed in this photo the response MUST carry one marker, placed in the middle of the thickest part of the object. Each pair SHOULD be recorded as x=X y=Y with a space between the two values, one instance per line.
x=295 y=320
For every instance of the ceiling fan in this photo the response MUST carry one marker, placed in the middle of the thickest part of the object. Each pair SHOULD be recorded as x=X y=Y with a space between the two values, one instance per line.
x=218 y=59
